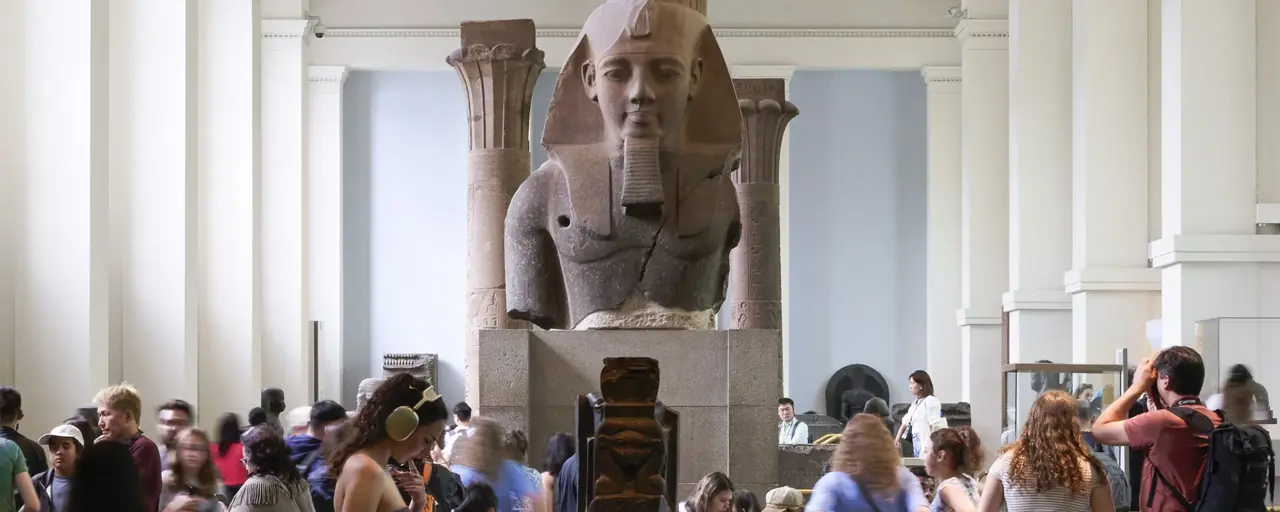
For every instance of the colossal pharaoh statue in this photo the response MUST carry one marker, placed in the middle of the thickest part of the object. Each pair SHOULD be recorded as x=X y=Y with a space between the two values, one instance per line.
x=630 y=222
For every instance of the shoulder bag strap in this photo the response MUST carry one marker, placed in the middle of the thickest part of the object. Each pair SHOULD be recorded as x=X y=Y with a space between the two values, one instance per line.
x=866 y=496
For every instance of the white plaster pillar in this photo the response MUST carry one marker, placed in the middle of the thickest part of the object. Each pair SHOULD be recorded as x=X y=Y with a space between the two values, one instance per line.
x=1268 y=64
x=784 y=213
x=1110 y=283
x=286 y=339
x=62 y=269
x=13 y=35
x=984 y=214
x=942 y=246
x=1039 y=180
x=324 y=221
x=1212 y=264
x=229 y=175
x=153 y=193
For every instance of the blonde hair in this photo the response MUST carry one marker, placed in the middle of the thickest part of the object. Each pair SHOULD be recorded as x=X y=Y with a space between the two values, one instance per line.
x=866 y=454
x=121 y=397
x=484 y=449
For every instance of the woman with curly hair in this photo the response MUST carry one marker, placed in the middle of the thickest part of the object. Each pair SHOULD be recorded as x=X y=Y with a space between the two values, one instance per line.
x=274 y=484
x=867 y=474
x=402 y=418
x=189 y=473
x=482 y=458
x=953 y=455
x=1049 y=467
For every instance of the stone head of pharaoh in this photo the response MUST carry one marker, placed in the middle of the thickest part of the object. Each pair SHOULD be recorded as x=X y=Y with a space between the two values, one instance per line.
x=645 y=78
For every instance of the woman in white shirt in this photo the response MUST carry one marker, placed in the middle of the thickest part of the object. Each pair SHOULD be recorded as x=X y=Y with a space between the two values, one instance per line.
x=923 y=417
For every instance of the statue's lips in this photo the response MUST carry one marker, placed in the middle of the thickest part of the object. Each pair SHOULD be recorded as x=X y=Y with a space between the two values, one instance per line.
x=641 y=118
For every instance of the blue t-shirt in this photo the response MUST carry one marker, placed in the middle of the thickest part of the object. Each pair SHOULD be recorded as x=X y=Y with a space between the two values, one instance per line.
x=837 y=492
x=512 y=485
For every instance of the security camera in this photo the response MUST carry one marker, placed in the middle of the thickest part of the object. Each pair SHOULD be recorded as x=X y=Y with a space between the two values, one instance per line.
x=317 y=26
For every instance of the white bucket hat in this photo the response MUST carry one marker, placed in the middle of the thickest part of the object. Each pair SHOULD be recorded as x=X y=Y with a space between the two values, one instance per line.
x=65 y=431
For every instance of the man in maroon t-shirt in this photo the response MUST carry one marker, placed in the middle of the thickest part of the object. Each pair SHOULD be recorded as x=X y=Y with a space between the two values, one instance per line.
x=1178 y=451
x=119 y=408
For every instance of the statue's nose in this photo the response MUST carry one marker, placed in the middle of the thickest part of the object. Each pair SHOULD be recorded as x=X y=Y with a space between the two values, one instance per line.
x=641 y=93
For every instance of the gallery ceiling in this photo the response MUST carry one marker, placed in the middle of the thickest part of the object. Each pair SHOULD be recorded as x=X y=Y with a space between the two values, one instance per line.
x=571 y=13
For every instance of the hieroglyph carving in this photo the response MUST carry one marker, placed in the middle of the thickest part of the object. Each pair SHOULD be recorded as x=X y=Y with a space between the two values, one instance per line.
x=629 y=445
x=755 y=283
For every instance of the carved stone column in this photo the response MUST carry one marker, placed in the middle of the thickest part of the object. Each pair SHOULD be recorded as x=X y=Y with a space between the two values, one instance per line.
x=755 y=268
x=499 y=64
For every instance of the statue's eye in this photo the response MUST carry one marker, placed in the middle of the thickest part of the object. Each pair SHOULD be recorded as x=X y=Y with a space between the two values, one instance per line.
x=666 y=73
x=617 y=74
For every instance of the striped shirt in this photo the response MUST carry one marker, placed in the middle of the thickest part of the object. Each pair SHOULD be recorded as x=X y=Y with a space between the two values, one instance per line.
x=1057 y=499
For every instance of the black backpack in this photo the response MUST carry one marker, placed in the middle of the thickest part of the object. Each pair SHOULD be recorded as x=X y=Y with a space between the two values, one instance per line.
x=1239 y=468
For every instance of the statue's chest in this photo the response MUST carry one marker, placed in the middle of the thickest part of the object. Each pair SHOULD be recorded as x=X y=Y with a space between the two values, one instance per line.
x=631 y=237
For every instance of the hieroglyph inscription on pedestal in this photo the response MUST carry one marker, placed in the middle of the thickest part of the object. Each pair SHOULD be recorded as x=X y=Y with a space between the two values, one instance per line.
x=499 y=64
x=755 y=278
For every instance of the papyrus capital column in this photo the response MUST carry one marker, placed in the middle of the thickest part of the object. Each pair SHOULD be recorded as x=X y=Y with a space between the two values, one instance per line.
x=755 y=270
x=499 y=64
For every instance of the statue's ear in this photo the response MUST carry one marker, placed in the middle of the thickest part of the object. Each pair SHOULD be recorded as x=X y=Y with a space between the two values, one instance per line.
x=695 y=77
x=589 y=79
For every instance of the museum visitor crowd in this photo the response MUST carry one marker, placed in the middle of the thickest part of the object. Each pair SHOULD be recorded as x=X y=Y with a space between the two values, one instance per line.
x=395 y=453
x=1066 y=456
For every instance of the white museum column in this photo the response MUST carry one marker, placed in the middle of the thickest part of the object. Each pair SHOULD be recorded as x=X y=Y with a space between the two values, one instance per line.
x=62 y=268
x=1268 y=63
x=12 y=51
x=229 y=175
x=1209 y=254
x=1039 y=180
x=153 y=193
x=324 y=221
x=942 y=248
x=286 y=340
x=984 y=214
x=1110 y=283
x=784 y=213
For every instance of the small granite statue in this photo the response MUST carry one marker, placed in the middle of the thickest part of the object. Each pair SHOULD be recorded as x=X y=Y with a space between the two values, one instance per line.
x=630 y=222
x=273 y=404
x=628 y=447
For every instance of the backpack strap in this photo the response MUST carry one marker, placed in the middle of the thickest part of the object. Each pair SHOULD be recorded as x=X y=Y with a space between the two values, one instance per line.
x=867 y=496
x=1186 y=505
x=1193 y=420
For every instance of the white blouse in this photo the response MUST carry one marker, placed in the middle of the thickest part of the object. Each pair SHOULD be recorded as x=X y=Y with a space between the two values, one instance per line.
x=924 y=416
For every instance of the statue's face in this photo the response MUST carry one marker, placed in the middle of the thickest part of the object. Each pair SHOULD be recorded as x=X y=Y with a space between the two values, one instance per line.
x=642 y=92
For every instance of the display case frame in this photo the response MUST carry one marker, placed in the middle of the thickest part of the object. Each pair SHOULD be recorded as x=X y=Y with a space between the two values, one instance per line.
x=1109 y=378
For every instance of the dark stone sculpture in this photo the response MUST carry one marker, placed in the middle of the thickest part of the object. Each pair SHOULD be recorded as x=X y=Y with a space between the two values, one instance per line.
x=626 y=440
x=630 y=222
x=1043 y=382
x=274 y=405
x=850 y=387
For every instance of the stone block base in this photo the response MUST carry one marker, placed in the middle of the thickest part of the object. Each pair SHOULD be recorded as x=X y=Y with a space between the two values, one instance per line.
x=724 y=384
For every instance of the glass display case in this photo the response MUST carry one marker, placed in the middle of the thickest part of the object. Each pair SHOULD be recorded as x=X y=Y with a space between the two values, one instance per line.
x=1099 y=384
x=1253 y=342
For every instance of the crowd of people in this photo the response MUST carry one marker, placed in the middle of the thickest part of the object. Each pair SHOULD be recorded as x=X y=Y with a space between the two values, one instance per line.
x=397 y=452
x=1064 y=459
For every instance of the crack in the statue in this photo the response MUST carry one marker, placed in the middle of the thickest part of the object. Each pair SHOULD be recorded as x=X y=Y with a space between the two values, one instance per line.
x=648 y=254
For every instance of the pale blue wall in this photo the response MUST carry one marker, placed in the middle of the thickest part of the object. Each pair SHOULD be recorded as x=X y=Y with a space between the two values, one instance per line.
x=857 y=227
x=404 y=219
x=857 y=223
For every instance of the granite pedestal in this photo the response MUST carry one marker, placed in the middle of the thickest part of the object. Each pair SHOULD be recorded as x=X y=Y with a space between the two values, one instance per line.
x=724 y=384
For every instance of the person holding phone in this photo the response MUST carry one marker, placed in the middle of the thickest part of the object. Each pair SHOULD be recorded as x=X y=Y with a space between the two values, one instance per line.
x=1176 y=450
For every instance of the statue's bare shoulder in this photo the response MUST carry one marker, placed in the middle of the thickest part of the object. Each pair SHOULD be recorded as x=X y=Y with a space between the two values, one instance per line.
x=533 y=199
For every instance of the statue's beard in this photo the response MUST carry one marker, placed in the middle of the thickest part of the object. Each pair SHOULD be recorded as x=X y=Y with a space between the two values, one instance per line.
x=641 y=177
